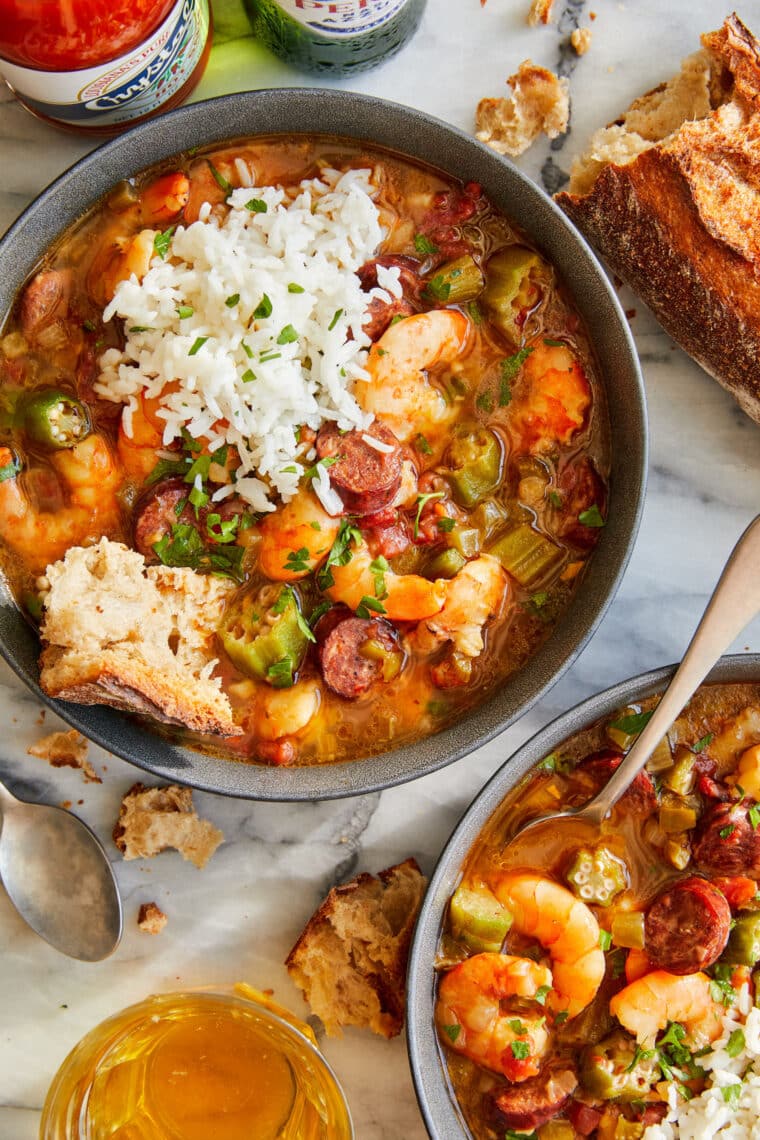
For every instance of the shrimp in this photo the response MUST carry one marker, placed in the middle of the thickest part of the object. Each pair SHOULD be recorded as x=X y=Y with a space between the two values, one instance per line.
x=565 y=926
x=89 y=475
x=648 y=1004
x=296 y=538
x=403 y=597
x=138 y=451
x=398 y=392
x=473 y=596
x=132 y=258
x=469 y=1011
x=165 y=198
x=555 y=402
x=285 y=712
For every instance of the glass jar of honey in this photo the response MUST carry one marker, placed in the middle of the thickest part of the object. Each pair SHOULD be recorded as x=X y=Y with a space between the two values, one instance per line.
x=187 y=1066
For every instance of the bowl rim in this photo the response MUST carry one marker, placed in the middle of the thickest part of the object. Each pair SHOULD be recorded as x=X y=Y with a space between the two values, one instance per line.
x=440 y=1113
x=415 y=135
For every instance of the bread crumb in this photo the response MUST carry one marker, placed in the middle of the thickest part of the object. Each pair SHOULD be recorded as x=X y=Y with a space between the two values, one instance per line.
x=151 y=919
x=350 y=961
x=65 y=750
x=152 y=819
x=540 y=103
x=65 y=804
x=540 y=12
x=592 y=15
x=580 y=38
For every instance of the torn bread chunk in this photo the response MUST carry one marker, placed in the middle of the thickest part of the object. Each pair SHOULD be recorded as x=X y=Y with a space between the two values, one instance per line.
x=539 y=103
x=350 y=960
x=138 y=638
x=65 y=750
x=670 y=196
x=152 y=819
x=151 y=919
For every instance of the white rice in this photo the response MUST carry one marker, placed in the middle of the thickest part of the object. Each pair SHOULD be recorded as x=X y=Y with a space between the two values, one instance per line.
x=710 y=1116
x=264 y=388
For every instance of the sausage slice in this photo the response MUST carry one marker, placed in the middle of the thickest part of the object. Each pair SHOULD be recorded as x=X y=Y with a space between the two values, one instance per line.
x=346 y=670
x=162 y=508
x=365 y=476
x=687 y=926
x=528 y=1105
x=726 y=843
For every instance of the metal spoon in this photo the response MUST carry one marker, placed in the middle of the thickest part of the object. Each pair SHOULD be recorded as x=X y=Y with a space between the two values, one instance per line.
x=735 y=601
x=59 y=879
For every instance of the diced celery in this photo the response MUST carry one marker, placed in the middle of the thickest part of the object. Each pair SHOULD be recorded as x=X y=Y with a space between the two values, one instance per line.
x=627 y=929
x=446 y=564
x=678 y=852
x=675 y=817
x=661 y=758
x=489 y=516
x=465 y=539
x=527 y=555
x=682 y=776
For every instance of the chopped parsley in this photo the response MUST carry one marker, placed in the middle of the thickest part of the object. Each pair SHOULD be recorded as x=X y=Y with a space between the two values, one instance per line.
x=185 y=547
x=736 y=1043
x=315 y=525
x=185 y=311
x=88 y=326
x=539 y=599
x=516 y=1025
x=452 y=1031
x=632 y=724
x=319 y=612
x=721 y=988
x=591 y=517
x=378 y=569
x=265 y=356
x=421 y=500
x=280 y=674
x=220 y=180
x=140 y=328
x=437 y=708
x=256 y=206
x=510 y=367
x=754 y=816
x=321 y=465
x=297 y=561
x=446 y=524
x=561 y=1017
x=198 y=344
x=287 y=335
x=510 y=1135
x=520 y=1050
x=424 y=245
x=422 y=445
x=293 y=288
x=232 y=300
x=484 y=402
x=367 y=606
x=727 y=832
x=703 y=742
x=340 y=553
x=553 y=343
x=10 y=470
x=542 y=993
x=437 y=289
x=555 y=499
x=247 y=350
x=549 y=763
x=605 y=939
x=336 y=317
x=162 y=241
x=732 y=1094
x=248 y=376
x=263 y=309
x=476 y=315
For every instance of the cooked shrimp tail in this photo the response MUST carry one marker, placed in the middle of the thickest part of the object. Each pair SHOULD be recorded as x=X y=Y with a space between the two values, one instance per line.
x=647 y=1005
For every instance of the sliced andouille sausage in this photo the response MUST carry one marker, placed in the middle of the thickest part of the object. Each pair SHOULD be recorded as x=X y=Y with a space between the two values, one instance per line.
x=528 y=1105
x=595 y=771
x=45 y=299
x=687 y=926
x=584 y=1118
x=580 y=488
x=355 y=653
x=163 y=507
x=379 y=313
x=726 y=843
x=367 y=474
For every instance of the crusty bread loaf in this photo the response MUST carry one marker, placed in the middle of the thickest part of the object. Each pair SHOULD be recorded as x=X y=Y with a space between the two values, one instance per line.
x=670 y=196
x=139 y=639
x=152 y=819
x=350 y=960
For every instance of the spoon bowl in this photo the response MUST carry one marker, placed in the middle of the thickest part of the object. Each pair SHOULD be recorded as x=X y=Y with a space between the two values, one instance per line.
x=59 y=878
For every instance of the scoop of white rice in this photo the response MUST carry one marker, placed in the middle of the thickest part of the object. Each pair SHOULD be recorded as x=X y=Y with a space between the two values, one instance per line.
x=274 y=337
x=715 y=1114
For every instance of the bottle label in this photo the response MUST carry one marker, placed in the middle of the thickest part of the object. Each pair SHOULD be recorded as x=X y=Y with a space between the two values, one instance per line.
x=126 y=88
x=339 y=18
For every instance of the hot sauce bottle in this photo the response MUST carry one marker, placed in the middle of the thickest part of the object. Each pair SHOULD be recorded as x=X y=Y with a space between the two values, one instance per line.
x=102 y=65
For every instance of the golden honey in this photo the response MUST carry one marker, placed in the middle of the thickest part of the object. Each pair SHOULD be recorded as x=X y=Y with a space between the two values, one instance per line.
x=197 y=1066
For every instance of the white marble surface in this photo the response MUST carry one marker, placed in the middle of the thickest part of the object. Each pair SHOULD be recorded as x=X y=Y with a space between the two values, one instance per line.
x=238 y=917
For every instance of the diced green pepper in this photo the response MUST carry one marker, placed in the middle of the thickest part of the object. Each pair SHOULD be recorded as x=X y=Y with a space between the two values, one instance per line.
x=457 y=282
x=615 y=1069
x=744 y=941
x=682 y=776
x=54 y=419
x=474 y=461
x=479 y=919
x=627 y=929
x=676 y=816
x=446 y=564
x=527 y=555
x=465 y=539
x=515 y=277
x=263 y=634
x=597 y=876
x=489 y=517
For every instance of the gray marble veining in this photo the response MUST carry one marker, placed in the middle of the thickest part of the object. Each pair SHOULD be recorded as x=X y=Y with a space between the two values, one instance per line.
x=238 y=917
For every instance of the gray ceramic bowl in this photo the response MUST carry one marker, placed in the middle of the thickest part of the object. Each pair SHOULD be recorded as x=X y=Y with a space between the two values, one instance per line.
x=420 y=137
x=439 y=1110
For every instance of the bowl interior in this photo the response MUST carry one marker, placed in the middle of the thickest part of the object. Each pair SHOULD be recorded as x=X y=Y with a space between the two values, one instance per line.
x=425 y=139
x=439 y=1110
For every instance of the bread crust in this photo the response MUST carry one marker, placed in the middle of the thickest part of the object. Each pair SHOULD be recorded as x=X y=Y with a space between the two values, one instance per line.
x=680 y=223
